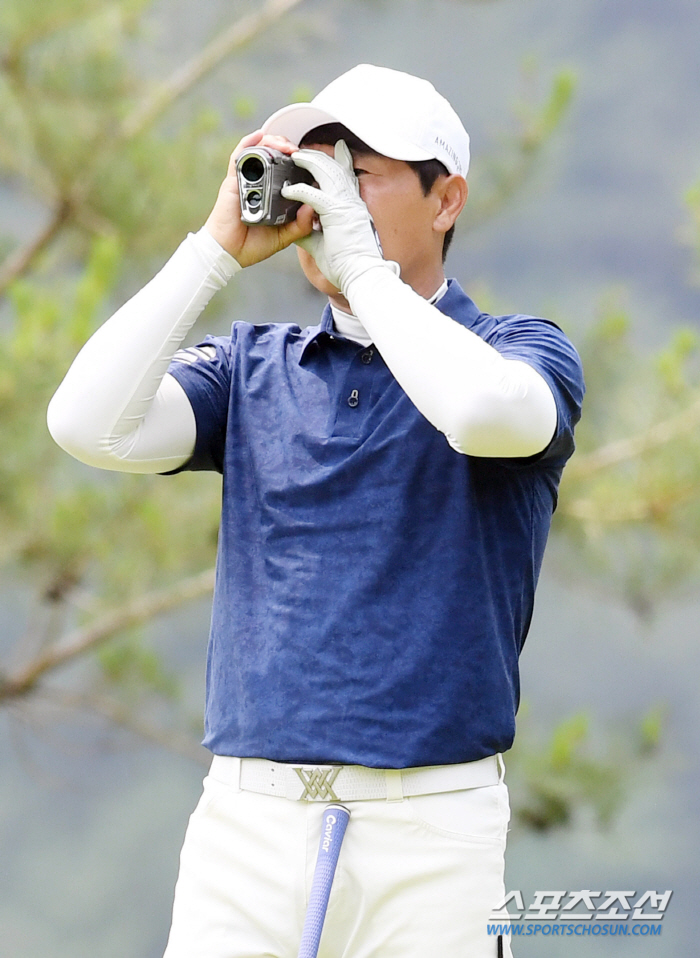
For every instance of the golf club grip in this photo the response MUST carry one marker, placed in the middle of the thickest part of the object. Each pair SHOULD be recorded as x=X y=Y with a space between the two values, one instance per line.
x=335 y=821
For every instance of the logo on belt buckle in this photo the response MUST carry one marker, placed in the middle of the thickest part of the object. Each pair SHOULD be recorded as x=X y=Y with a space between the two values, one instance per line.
x=318 y=783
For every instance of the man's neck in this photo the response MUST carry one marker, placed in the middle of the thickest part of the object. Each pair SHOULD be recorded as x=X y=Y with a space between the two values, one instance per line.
x=349 y=326
x=427 y=289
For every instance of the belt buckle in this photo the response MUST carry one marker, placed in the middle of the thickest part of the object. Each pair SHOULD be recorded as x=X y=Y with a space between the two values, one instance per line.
x=318 y=782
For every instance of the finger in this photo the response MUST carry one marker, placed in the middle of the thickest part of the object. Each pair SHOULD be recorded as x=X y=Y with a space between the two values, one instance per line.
x=343 y=157
x=328 y=174
x=303 y=193
x=305 y=219
x=281 y=143
x=274 y=142
x=297 y=229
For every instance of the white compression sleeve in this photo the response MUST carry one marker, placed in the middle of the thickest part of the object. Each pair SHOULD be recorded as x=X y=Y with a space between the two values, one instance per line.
x=116 y=408
x=485 y=404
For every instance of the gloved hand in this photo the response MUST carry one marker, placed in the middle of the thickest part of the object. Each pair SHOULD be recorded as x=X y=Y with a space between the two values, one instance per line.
x=347 y=245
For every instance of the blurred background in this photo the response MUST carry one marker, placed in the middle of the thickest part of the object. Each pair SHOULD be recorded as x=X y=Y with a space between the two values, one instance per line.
x=116 y=122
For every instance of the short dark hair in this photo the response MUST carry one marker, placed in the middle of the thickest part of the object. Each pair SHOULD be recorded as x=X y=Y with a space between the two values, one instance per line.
x=427 y=171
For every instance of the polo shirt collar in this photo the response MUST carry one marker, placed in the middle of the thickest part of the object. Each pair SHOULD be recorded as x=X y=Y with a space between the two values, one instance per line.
x=458 y=306
x=316 y=333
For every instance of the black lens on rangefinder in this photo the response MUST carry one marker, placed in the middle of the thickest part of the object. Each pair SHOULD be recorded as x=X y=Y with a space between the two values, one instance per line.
x=262 y=173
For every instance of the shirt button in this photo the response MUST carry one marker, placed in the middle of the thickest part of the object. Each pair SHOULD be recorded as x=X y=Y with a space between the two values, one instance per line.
x=367 y=356
x=353 y=398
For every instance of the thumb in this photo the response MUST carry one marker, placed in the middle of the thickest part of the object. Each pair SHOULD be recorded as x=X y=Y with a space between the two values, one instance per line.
x=296 y=229
x=343 y=157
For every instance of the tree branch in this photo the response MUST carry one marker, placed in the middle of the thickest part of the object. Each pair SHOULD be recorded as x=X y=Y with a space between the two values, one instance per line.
x=640 y=509
x=624 y=450
x=18 y=262
x=174 y=740
x=179 y=82
x=186 y=76
x=104 y=627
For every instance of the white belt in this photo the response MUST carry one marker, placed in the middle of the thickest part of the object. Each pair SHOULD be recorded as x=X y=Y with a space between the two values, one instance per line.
x=352 y=783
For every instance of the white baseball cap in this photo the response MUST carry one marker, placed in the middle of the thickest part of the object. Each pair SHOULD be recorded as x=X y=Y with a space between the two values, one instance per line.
x=396 y=114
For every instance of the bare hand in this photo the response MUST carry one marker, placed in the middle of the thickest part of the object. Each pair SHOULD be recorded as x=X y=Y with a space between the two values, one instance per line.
x=251 y=244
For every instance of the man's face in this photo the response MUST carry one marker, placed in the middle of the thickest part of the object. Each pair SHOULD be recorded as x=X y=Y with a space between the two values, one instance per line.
x=402 y=215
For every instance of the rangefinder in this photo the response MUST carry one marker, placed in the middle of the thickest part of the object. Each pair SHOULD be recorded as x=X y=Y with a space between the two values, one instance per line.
x=262 y=173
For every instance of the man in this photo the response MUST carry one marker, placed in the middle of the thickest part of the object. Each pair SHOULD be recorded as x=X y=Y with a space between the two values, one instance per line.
x=388 y=482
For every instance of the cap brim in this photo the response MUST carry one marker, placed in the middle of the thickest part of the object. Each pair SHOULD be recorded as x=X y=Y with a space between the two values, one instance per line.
x=297 y=119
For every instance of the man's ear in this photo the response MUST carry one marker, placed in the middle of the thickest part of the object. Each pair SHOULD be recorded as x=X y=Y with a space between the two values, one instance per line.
x=452 y=192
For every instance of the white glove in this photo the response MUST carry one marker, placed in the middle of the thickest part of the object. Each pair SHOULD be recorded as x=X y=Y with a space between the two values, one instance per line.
x=348 y=244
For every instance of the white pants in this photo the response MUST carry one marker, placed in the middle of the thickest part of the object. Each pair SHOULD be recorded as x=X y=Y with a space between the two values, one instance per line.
x=417 y=878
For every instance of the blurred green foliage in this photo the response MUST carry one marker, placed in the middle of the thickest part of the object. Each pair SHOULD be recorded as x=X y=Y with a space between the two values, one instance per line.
x=121 y=181
x=561 y=779
x=62 y=523
x=578 y=770
x=496 y=179
x=630 y=513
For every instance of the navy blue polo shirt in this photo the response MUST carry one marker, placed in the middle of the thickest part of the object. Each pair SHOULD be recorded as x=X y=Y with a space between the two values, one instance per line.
x=374 y=587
